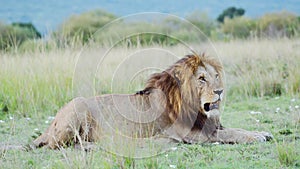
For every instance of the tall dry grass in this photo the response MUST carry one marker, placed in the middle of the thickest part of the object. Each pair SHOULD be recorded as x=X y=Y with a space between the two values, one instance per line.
x=35 y=83
x=261 y=67
x=38 y=83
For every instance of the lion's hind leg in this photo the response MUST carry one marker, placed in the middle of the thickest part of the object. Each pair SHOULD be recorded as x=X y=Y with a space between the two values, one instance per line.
x=69 y=125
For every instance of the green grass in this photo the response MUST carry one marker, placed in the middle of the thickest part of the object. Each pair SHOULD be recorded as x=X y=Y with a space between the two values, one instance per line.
x=287 y=154
x=33 y=86
x=282 y=152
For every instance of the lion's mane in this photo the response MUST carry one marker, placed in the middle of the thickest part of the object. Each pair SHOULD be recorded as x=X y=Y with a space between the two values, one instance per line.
x=182 y=97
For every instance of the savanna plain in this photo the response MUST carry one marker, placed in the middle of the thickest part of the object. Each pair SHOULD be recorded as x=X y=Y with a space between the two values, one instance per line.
x=262 y=78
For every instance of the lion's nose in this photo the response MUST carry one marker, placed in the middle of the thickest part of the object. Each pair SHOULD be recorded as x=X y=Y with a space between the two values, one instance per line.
x=218 y=92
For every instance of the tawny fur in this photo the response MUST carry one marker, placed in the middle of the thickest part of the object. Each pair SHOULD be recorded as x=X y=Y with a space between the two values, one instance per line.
x=171 y=104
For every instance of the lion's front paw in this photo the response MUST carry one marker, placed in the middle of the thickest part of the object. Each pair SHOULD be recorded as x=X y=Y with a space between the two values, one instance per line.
x=232 y=135
x=262 y=136
x=267 y=135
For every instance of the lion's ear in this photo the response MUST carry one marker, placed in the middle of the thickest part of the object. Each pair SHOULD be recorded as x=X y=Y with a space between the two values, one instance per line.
x=195 y=61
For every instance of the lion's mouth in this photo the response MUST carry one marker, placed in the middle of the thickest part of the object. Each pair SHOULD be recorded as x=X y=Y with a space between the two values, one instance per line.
x=211 y=106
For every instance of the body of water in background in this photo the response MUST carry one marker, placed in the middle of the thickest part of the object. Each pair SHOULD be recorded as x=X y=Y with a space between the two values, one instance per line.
x=46 y=15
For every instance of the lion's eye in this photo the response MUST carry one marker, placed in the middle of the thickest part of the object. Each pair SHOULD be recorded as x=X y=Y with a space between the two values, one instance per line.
x=202 y=79
x=217 y=76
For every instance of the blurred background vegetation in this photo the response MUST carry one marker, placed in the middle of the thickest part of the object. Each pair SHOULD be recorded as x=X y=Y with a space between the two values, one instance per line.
x=39 y=74
x=77 y=30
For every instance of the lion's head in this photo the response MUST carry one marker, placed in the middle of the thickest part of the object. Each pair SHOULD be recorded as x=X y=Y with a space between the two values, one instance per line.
x=192 y=86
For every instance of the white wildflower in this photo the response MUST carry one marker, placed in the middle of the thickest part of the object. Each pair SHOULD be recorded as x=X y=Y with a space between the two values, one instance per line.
x=276 y=98
x=36 y=129
x=28 y=119
x=255 y=112
x=50 y=118
x=216 y=143
x=11 y=118
x=174 y=148
x=277 y=109
x=293 y=100
x=166 y=155
x=296 y=107
x=1 y=121
x=172 y=166
x=46 y=121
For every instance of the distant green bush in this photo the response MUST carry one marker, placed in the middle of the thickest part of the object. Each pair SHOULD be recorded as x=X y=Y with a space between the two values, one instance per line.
x=238 y=27
x=12 y=36
x=280 y=24
x=29 y=27
x=272 y=25
x=134 y=33
x=203 y=22
x=80 y=28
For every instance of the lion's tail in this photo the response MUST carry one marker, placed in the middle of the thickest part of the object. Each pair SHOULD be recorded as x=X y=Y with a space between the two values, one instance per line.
x=6 y=147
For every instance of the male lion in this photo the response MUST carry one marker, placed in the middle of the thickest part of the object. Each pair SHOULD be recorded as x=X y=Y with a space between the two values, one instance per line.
x=181 y=103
